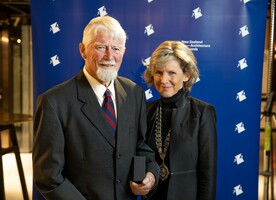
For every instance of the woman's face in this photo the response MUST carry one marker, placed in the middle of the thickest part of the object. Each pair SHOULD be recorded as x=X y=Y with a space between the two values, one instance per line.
x=168 y=79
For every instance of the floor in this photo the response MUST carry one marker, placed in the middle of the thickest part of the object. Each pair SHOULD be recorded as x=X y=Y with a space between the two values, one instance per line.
x=11 y=178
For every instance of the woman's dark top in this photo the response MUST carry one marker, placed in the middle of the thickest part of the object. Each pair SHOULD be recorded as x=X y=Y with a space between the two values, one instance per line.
x=167 y=105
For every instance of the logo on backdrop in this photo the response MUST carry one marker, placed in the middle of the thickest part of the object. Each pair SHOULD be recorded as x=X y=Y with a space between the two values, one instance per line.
x=54 y=28
x=239 y=159
x=148 y=94
x=244 y=31
x=149 y=29
x=245 y=1
x=197 y=13
x=241 y=96
x=147 y=60
x=195 y=45
x=242 y=64
x=54 y=60
x=240 y=127
x=238 y=190
x=102 y=11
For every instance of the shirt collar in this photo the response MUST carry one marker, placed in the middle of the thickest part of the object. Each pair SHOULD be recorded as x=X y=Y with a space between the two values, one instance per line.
x=99 y=88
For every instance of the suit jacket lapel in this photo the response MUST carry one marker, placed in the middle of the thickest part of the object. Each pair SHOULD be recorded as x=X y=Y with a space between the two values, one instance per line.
x=122 y=110
x=91 y=108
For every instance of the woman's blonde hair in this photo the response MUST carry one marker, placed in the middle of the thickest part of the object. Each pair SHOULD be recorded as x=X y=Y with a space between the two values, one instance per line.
x=173 y=50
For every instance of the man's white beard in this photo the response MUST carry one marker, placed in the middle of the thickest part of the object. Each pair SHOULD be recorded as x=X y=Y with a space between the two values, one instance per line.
x=106 y=75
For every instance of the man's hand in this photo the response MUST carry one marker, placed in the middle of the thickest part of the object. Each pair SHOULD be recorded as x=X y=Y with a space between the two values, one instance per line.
x=144 y=187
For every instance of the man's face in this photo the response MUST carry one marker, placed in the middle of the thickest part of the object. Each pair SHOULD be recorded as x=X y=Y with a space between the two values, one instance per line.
x=103 y=57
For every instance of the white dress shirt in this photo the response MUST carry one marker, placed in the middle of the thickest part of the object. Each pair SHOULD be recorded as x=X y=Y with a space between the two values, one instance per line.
x=100 y=89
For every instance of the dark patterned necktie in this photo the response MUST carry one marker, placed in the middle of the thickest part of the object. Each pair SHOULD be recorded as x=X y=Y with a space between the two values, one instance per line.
x=109 y=112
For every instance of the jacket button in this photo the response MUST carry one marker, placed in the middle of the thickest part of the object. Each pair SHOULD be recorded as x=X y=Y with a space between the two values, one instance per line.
x=118 y=156
x=118 y=181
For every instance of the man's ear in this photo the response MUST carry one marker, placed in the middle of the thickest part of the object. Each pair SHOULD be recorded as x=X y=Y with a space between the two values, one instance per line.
x=82 y=50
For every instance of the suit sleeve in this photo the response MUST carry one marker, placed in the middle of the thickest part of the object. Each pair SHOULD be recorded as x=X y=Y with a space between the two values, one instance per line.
x=48 y=155
x=207 y=163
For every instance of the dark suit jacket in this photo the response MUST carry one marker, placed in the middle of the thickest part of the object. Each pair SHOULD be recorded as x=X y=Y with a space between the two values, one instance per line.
x=192 y=150
x=75 y=155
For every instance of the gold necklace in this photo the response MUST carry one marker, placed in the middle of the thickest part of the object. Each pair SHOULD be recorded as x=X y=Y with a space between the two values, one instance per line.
x=164 y=170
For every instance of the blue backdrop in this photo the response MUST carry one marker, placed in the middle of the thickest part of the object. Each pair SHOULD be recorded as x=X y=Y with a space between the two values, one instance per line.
x=226 y=36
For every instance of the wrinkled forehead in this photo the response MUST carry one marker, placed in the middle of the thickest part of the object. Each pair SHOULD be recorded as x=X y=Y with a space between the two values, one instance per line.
x=108 y=38
x=95 y=31
x=116 y=33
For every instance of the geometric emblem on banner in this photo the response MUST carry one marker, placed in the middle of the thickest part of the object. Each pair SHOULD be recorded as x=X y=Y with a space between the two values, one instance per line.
x=244 y=31
x=149 y=29
x=242 y=64
x=197 y=13
x=241 y=95
x=150 y=1
x=240 y=127
x=54 y=60
x=54 y=28
x=147 y=60
x=148 y=94
x=238 y=190
x=239 y=159
x=245 y=1
x=102 y=11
